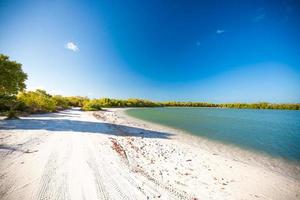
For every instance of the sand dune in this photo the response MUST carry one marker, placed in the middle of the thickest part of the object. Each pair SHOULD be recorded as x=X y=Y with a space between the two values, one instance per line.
x=75 y=155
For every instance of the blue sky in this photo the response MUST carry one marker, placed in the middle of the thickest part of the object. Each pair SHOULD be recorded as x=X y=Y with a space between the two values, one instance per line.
x=218 y=51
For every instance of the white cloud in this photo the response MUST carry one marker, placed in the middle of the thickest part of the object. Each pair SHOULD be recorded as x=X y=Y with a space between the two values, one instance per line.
x=72 y=46
x=220 y=31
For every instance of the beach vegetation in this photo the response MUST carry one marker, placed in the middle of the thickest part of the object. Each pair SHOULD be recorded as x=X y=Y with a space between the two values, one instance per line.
x=12 y=81
x=38 y=101
x=92 y=105
x=61 y=102
x=96 y=104
x=76 y=101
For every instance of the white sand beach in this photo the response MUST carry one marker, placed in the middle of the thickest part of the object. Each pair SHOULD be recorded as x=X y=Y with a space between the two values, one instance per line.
x=108 y=155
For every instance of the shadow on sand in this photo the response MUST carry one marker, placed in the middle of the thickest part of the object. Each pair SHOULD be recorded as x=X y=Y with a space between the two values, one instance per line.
x=77 y=126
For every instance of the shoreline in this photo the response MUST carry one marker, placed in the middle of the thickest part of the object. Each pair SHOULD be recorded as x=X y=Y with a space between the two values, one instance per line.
x=279 y=165
x=106 y=155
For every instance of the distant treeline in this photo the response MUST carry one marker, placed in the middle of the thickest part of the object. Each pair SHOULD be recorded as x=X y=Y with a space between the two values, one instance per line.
x=261 y=105
x=40 y=101
x=96 y=104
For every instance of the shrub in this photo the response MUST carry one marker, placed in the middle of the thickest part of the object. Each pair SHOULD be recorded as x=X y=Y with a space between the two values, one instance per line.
x=76 y=101
x=61 y=102
x=12 y=114
x=37 y=101
x=92 y=105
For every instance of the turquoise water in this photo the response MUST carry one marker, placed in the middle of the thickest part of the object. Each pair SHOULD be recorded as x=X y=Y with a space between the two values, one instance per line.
x=274 y=132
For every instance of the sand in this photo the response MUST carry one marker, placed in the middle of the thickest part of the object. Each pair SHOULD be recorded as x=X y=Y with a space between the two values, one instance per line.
x=75 y=155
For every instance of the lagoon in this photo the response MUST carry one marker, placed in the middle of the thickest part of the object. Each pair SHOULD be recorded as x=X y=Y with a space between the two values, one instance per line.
x=272 y=132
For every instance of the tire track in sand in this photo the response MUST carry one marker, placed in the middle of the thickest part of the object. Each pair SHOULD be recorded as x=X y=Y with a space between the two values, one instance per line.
x=103 y=173
x=53 y=182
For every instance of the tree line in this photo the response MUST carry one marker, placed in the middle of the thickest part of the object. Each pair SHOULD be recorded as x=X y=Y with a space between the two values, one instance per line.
x=15 y=100
x=40 y=101
x=97 y=104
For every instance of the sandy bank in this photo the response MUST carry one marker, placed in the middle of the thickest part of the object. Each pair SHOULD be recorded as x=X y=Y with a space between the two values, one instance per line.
x=73 y=155
x=259 y=159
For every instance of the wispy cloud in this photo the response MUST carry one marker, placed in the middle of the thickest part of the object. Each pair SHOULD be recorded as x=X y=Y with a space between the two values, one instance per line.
x=198 y=43
x=71 y=46
x=220 y=31
x=259 y=17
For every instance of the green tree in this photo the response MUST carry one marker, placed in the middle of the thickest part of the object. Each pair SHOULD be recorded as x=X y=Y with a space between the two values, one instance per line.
x=12 y=80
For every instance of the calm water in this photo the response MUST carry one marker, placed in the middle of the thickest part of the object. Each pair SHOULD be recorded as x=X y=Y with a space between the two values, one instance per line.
x=275 y=132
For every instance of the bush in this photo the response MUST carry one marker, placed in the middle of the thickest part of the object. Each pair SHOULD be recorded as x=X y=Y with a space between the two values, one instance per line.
x=76 y=101
x=92 y=105
x=12 y=114
x=61 y=102
x=37 y=102
x=97 y=104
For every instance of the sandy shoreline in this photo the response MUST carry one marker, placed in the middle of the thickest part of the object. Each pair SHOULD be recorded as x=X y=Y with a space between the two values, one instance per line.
x=73 y=155
x=279 y=165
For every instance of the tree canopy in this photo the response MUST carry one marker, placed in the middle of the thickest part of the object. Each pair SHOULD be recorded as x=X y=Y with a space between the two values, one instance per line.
x=12 y=77
x=97 y=104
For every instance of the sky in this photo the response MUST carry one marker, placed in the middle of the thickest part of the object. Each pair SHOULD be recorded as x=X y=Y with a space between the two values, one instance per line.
x=212 y=50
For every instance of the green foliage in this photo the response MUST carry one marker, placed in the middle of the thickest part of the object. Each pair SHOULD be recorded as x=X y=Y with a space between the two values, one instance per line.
x=12 y=114
x=76 y=101
x=40 y=101
x=141 y=103
x=12 y=80
x=97 y=104
x=189 y=104
x=6 y=102
x=12 y=77
x=262 y=105
x=61 y=102
x=37 y=101
x=92 y=105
